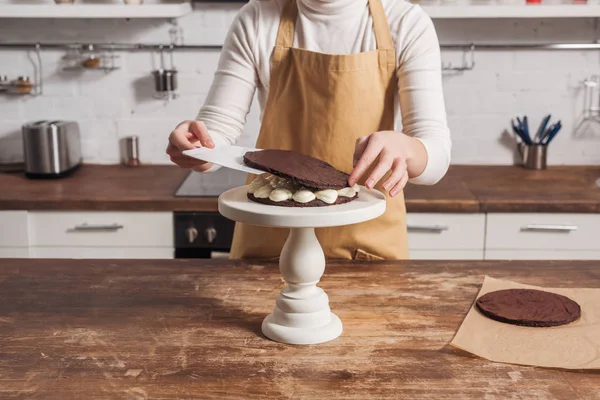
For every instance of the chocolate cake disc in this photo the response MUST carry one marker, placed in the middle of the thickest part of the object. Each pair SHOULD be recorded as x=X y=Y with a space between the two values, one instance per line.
x=304 y=170
x=528 y=307
x=292 y=203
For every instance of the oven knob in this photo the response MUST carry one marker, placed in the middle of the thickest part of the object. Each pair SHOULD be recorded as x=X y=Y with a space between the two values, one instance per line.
x=191 y=233
x=211 y=234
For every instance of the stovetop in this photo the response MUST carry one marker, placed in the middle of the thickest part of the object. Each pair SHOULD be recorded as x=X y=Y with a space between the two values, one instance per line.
x=210 y=184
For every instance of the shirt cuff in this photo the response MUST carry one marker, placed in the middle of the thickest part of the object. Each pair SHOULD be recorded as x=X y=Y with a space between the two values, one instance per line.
x=438 y=161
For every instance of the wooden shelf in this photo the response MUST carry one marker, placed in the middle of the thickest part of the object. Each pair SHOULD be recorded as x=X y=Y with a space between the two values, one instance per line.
x=174 y=10
x=520 y=11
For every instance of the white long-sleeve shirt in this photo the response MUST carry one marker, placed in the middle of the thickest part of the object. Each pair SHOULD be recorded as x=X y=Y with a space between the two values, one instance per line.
x=334 y=27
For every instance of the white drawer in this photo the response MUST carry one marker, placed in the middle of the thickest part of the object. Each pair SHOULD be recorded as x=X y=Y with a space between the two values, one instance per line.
x=445 y=231
x=103 y=252
x=542 y=254
x=101 y=229
x=541 y=231
x=446 y=254
x=14 y=252
x=14 y=230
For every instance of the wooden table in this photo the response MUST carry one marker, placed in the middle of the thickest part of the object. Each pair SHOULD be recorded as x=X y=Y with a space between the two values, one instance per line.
x=180 y=329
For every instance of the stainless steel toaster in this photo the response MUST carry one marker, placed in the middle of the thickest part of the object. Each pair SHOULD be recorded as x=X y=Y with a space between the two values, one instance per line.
x=51 y=148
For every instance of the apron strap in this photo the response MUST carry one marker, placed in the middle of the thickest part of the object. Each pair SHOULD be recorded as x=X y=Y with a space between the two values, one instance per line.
x=383 y=35
x=287 y=25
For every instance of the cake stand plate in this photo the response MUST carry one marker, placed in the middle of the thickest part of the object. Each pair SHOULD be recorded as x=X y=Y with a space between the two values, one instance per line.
x=301 y=314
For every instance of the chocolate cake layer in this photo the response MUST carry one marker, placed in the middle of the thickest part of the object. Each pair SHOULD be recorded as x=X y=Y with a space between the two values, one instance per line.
x=304 y=170
x=528 y=307
x=292 y=203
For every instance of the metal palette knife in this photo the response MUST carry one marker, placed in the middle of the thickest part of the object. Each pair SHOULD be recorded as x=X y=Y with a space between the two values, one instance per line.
x=231 y=157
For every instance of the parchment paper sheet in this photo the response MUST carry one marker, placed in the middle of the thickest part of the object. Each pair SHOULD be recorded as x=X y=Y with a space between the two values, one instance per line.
x=572 y=346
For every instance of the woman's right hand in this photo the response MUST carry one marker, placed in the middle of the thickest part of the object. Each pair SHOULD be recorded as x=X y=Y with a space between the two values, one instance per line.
x=186 y=136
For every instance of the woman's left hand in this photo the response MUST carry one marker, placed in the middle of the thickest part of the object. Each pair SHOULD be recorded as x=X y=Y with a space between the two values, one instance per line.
x=392 y=150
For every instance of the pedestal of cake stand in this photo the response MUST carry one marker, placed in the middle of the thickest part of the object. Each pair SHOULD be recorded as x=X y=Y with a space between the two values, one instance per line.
x=301 y=314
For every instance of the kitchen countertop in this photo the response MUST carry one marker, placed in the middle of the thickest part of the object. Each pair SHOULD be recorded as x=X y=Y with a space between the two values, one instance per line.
x=191 y=329
x=463 y=189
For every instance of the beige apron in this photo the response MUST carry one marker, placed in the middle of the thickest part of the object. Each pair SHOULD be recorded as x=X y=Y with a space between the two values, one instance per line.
x=319 y=104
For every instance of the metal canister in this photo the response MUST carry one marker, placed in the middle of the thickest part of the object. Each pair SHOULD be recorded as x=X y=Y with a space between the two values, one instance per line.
x=131 y=151
x=534 y=156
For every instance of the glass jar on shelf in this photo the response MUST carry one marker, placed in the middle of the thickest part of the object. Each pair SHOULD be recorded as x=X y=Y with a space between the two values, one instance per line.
x=4 y=83
x=483 y=2
x=511 y=2
x=90 y=59
x=22 y=85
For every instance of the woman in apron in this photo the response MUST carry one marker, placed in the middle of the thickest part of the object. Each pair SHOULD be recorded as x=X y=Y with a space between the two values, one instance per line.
x=338 y=106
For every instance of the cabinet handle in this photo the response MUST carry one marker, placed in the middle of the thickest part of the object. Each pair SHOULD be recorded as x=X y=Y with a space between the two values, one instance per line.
x=551 y=228
x=427 y=228
x=87 y=228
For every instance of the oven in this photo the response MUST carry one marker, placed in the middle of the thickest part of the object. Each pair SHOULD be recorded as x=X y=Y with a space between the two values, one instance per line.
x=205 y=234
x=202 y=235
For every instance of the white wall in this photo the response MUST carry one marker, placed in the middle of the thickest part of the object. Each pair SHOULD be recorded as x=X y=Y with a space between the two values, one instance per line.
x=480 y=103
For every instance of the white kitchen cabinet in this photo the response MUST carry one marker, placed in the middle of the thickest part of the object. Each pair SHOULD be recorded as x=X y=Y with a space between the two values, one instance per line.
x=101 y=229
x=100 y=234
x=14 y=252
x=446 y=254
x=445 y=235
x=542 y=255
x=14 y=234
x=542 y=236
x=103 y=252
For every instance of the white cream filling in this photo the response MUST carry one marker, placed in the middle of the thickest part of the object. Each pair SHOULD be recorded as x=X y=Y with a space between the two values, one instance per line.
x=279 y=189
x=256 y=184
x=263 y=192
x=304 y=196
x=278 y=195
x=347 y=192
x=328 y=196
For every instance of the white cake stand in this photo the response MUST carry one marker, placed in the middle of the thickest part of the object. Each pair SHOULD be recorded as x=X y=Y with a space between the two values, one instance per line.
x=302 y=314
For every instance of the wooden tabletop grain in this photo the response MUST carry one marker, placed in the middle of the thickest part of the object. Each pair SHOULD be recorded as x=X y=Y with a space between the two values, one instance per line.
x=183 y=329
x=465 y=188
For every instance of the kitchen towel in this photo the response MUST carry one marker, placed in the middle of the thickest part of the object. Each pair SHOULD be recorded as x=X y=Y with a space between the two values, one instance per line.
x=572 y=346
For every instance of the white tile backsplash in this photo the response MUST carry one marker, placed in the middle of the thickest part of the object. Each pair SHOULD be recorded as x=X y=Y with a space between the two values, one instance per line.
x=480 y=103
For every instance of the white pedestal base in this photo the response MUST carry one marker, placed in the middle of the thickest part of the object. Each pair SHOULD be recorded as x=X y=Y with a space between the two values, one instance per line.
x=286 y=334
x=301 y=314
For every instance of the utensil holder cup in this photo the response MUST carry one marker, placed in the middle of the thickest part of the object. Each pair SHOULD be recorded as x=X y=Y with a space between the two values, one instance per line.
x=533 y=156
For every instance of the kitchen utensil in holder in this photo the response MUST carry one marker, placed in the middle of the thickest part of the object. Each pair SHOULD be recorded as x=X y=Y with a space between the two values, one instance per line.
x=165 y=80
x=534 y=156
x=301 y=314
x=592 y=97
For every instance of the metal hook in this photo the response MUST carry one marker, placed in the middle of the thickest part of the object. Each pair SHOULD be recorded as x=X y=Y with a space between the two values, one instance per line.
x=111 y=52
x=39 y=78
x=171 y=56
x=162 y=57
x=468 y=63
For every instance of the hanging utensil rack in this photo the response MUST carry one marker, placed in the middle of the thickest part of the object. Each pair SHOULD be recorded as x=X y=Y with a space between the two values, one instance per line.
x=36 y=89
x=78 y=59
x=183 y=47
x=468 y=62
